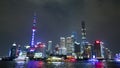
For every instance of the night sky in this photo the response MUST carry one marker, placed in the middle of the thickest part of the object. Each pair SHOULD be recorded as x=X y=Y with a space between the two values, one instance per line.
x=56 y=18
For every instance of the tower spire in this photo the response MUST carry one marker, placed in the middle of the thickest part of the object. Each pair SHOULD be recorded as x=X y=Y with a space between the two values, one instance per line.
x=83 y=30
x=33 y=30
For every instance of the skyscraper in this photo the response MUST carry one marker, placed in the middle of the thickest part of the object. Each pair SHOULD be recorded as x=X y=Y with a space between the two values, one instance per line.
x=69 y=45
x=62 y=48
x=77 y=49
x=83 y=43
x=98 y=49
x=87 y=51
x=50 y=51
x=40 y=50
x=62 y=41
x=13 y=51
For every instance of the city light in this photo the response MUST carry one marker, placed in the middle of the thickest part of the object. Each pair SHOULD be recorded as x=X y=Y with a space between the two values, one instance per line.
x=68 y=49
x=32 y=49
x=97 y=42
x=14 y=44
x=27 y=47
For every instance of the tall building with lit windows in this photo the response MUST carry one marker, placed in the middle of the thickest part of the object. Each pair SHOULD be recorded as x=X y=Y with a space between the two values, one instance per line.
x=62 y=41
x=77 y=49
x=62 y=48
x=13 y=51
x=40 y=50
x=83 y=42
x=107 y=53
x=98 y=50
x=88 y=51
x=69 y=45
x=50 y=47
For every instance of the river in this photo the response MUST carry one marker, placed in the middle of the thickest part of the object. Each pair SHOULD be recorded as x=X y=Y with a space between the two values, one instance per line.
x=41 y=64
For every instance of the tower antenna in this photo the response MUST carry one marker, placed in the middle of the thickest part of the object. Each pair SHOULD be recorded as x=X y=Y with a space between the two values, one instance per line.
x=33 y=30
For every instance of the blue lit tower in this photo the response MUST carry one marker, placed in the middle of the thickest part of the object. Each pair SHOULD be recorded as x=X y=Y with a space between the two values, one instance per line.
x=30 y=53
x=33 y=30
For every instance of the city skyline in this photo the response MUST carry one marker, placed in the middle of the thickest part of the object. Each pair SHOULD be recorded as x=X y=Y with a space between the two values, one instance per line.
x=59 y=18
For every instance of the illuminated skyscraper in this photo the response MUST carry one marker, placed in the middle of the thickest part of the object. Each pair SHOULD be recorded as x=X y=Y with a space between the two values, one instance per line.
x=33 y=30
x=70 y=45
x=13 y=51
x=62 y=49
x=62 y=41
x=107 y=53
x=77 y=49
x=50 y=47
x=83 y=32
x=56 y=51
x=40 y=50
x=87 y=51
x=98 y=49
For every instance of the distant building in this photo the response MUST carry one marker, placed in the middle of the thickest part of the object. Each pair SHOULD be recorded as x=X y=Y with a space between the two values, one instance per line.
x=62 y=51
x=40 y=50
x=19 y=49
x=70 y=45
x=62 y=48
x=83 y=42
x=50 y=47
x=13 y=51
x=77 y=49
x=56 y=49
x=62 y=42
x=98 y=49
x=107 y=53
x=87 y=51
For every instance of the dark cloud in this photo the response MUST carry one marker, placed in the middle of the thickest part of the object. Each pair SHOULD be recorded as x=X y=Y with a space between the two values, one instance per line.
x=57 y=18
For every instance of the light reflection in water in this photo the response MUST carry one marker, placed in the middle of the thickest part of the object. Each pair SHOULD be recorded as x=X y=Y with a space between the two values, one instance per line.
x=55 y=65
x=20 y=64
x=41 y=64
x=35 y=64
x=99 y=65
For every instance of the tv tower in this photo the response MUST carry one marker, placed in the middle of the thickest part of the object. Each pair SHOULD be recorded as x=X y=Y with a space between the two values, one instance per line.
x=33 y=30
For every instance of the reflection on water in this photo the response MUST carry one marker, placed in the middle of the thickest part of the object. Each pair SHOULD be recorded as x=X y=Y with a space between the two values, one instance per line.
x=99 y=65
x=35 y=64
x=41 y=64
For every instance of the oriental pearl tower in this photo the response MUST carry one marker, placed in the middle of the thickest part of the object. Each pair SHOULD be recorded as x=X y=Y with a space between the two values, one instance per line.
x=33 y=31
